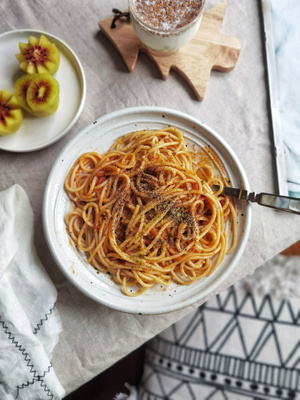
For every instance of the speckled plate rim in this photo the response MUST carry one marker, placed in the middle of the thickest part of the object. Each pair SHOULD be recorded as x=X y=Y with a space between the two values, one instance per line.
x=27 y=139
x=99 y=135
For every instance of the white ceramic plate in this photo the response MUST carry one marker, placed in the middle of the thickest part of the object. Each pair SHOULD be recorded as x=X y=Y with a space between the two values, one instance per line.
x=99 y=136
x=36 y=133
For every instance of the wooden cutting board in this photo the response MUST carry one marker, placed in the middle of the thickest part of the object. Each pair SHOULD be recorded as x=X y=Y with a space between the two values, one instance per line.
x=208 y=50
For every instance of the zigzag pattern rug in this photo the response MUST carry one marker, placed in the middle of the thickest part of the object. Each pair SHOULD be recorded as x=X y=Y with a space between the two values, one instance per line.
x=236 y=346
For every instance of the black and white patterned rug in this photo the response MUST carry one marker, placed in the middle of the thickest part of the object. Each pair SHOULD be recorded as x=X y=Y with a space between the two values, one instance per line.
x=242 y=344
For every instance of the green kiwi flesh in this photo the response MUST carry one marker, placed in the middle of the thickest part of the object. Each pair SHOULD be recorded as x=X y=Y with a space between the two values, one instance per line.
x=42 y=95
x=20 y=90
x=39 y=55
x=11 y=113
x=41 y=107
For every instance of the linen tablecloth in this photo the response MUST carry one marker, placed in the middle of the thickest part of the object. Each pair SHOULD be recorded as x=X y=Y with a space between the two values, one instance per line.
x=235 y=105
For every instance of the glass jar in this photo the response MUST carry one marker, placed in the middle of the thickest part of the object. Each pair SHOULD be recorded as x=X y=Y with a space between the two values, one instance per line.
x=164 y=26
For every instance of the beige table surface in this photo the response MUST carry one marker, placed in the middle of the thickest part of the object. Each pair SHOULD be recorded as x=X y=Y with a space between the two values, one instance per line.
x=236 y=106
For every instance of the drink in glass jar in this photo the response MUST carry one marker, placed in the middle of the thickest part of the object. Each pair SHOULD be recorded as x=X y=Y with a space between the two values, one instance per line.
x=165 y=25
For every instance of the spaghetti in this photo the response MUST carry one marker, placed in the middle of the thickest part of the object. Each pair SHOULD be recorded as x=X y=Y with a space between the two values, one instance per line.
x=145 y=211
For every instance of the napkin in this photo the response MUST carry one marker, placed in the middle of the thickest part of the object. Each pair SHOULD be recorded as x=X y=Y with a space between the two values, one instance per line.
x=29 y=321
x=286 y=32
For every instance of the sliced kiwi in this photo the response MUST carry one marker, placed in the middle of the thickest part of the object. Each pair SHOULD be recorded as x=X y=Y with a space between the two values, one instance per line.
x=39 y=55
x=11 y=113
x=42 y=95
x=20 y=90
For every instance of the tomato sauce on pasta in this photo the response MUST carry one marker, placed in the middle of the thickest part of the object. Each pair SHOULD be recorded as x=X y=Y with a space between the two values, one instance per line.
x=145 y=212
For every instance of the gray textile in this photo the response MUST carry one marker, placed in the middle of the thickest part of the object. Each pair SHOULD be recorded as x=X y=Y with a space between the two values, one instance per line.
x=286 y=32
x=236 y=105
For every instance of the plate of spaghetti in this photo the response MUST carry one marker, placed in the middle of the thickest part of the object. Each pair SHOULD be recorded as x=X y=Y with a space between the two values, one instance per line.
x=130 y=216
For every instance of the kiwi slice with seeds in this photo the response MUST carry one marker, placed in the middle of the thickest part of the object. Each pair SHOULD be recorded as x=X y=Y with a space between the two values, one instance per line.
x=39 y=55
x=11 y=113
x=42 y=95
x=20 y=90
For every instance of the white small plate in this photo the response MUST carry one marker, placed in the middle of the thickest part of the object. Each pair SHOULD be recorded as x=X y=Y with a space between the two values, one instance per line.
x=99 y=136
x=37 y=133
